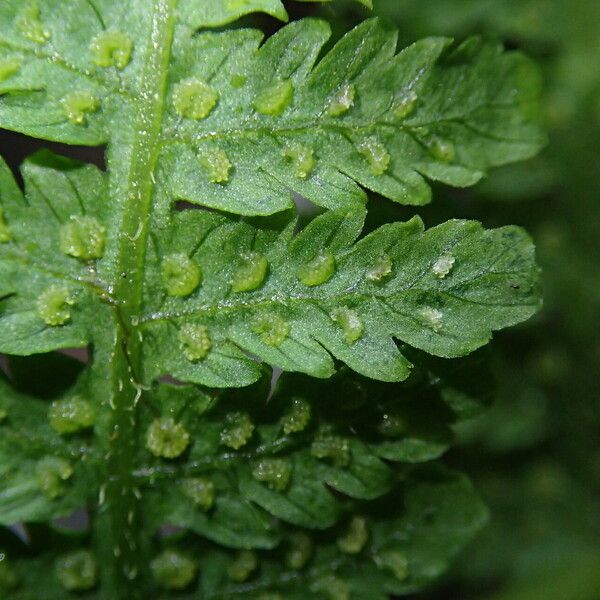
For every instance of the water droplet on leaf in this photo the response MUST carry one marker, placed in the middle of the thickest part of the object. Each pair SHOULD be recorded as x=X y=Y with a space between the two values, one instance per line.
x=272 y=329
x=381 y=269
x=200 y=491
x=167 y=438
x=300 y=550
x=297 y=418
x=244 y=564
x=195 y=341
x=78 y=105
x=83 y=237
x=51 y=473
x=216 y=163
x=317 y=271
x=173 y=570
x=194 y=99
x=404 y=104
x=237 y=431
x=376 y=154
x=432 y=317
x=30 y=25
x=53 y=306
x=111 y=49
x=5 y=233
x=355 y=539
x=77 y=571
x=275 y=472
x=181 y=275
x=251 y=274
x=8 y=67
x=342 y=101
x=275 y=99
x=302 y=159
x=350 y=323
x=443 y=265
x=71 y=415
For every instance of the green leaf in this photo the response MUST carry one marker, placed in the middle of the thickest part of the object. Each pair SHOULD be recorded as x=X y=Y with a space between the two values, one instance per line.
x=50 y=291
x=363 y=116
x=444 y=291
x=248 y=459
x=414 y=121
x=161 y=298
x=408 y=543
x=216 y=13
x=42 y=475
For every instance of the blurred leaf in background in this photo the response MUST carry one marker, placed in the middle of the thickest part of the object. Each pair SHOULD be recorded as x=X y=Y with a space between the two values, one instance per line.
x=535 y=455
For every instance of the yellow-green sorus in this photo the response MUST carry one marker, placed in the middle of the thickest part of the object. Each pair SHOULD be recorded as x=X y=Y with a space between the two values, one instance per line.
x=251 y=273
x=77 y=571
x=181 y=275
x=381 y=269
x=443 y=265
x=327 y=446
x=272 y=329
x=243 y=566
x=333 y=587
x=395 y=561
x=275 y=472
x=297 y=418
x=350 y=323
x=30 y=24
x=216 y=163
x=167 y=438
x=273 y=100
x=53 y=305
x=173 y=570
x=342 y=101
x=432 y=318
x=111 y=49
x=51 y=473
x=404 y=104
x=195 y=341
x=83 y=237
x=376 y=155
x=299 y=551
x=302 y=159
x=200 y=491
x=237 y=431
x=355 y=538
x=78 y=105
x=71 y=415
x=317 y=271
x=194 y=99
x=441 y=149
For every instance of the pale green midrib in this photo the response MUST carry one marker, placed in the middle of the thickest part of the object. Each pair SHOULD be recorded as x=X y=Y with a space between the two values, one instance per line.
x=150 y=109
x=228 y=306
x=126 y=566
x=409 y=126
x=95 y=286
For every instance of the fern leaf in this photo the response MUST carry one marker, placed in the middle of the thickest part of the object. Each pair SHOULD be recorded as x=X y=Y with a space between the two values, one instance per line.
x=443 y=291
